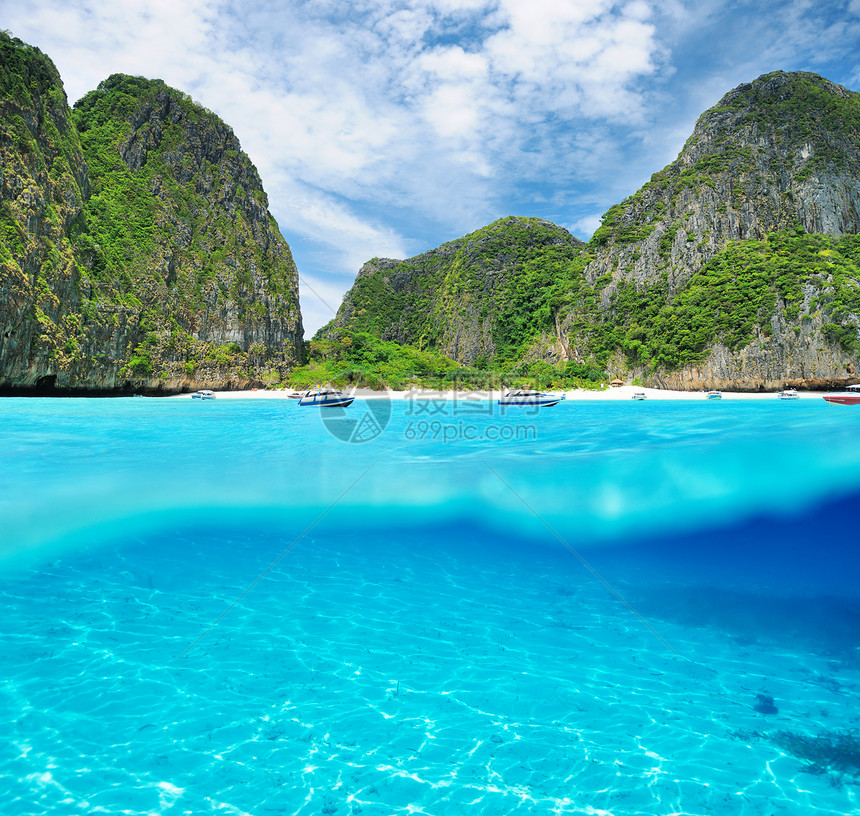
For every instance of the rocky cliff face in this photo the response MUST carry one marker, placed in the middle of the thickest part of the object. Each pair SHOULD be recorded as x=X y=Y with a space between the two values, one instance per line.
x=709 y=276
x=138 y=252
x=779 y=152
x=43 y=186
x=463 y=297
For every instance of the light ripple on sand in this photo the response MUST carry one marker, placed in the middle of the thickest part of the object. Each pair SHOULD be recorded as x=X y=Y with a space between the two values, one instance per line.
x=390 y=683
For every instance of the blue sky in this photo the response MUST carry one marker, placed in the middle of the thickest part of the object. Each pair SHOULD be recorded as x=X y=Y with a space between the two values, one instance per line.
x=387 y=127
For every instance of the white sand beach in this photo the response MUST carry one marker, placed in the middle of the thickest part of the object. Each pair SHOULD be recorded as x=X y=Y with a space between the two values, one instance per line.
x=623 y=392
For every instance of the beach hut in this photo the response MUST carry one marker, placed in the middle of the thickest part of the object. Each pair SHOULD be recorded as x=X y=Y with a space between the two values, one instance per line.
x=616 y=382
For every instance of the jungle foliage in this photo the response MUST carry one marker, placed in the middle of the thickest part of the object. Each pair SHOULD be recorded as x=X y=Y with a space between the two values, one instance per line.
x=511 y=277
x=24 y=71
x=732 y=300
x=348 y=358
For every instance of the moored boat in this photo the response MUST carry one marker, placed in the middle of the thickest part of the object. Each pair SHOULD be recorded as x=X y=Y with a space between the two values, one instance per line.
x=788 y=394
x=850 y=396
x=639 y=395
x=204 y=394
x=529 y=397
x=325 y=398
x=715 y=395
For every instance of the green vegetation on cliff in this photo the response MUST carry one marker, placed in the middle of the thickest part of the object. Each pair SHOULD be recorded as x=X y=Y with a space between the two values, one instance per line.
x=735 y=297
x=349 y=358
x=811 y=115
x=732 y=300
x=119 y=226
x=773 y=133
x=29 y=81
x=150 y=177
x=544 y=280
x=352 y=358
x=177 y=221
x=501 y=285
x=42 y=187
x=136 y=248
x=736 y=261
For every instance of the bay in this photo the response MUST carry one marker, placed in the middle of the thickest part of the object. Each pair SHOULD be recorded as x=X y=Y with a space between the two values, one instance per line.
x=600 y=607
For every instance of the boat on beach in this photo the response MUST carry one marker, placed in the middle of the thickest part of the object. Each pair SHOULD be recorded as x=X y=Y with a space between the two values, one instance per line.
x=788 y=394
x=639 y=395
x=715 y=395
x=850 y=396
x=325 y=398
x=529 y=397
x=204 y=394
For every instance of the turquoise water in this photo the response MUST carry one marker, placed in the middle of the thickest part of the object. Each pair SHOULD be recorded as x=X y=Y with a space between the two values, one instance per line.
x=601 y=608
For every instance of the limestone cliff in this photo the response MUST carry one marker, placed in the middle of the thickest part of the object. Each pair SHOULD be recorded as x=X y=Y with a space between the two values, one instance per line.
x=778 y=156
x=137 y=250
x=43 y=187
x=776 y=153
x=464 y=298
x=737 y=266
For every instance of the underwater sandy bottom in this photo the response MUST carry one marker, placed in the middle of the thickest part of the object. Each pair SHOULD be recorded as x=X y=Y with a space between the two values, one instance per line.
x=388 y=674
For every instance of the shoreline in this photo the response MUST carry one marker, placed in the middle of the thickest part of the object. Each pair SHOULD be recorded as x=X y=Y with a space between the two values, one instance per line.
x=612 y=394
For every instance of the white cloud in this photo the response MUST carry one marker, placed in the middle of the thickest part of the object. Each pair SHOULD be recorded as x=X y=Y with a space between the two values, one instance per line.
x=575 y=57
x=320 y=301
x=452 y=64
x=92 y=39
x=584 y=227
x=349 y=239
x=386 y=124
x=347 y=117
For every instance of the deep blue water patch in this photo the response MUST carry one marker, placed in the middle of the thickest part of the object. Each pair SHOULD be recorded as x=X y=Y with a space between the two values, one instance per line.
x=783 y=580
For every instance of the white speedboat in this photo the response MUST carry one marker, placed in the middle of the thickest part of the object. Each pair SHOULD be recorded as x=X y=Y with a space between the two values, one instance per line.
x=298 y=394
x=715 y=395
x=204 y=394
x=639 y=395
x=325 y=398
x=788 y=394
x=529 y=397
